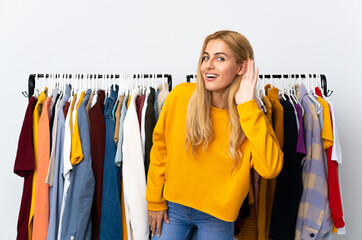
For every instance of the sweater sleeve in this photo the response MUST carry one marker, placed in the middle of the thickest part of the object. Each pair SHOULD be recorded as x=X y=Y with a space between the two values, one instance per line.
x=266 y=155
x=156 y=172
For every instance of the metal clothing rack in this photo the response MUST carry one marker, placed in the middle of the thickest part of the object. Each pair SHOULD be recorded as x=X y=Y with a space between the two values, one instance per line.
x=326 y=92
x=32 y=77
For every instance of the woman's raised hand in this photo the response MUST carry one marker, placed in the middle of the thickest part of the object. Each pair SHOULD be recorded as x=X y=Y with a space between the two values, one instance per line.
x=246 y=91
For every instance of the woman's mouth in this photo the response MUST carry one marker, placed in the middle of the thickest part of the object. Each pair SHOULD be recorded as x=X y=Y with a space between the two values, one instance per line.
x=211 y=76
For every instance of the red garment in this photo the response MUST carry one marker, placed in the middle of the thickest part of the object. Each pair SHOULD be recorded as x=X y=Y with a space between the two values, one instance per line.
x=98 y=143
x=66 y=107
x=335 y=202
x=318 y=92
x=139 y=104
x=24 y=167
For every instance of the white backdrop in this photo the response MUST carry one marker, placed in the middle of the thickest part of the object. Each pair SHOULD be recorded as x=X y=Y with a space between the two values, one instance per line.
x=166 y=37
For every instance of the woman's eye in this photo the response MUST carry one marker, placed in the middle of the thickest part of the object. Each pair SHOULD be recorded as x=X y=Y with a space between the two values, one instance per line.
x=221 y=59
x=205 y=58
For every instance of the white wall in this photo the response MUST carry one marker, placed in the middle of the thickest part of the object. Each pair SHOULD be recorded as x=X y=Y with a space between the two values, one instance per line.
x=166 y=37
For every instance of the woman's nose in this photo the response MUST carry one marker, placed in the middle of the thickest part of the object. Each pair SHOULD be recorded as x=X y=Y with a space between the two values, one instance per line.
x=210 y=64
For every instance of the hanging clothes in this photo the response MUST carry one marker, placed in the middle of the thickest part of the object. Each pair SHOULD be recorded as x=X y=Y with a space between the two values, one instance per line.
x=117 y=116
x=119 y=153
x=67 y=165
x=98 y=141
x=140 y=101
x=41 y=200
x=111 y=218
x=150 y=123
x=278 y=126
x=76 y=153
x=314 y=217
x=36 y=115
x=336 y=156
x=162 y=97
x=76 y=220
x=56 y=189
x=65 y=153
x=333 y=184
x=24 y=167
x=262 y=234
x=289 y=185
x=133 y=174
x=50 y=175
x=142 y=122
x=53 y=109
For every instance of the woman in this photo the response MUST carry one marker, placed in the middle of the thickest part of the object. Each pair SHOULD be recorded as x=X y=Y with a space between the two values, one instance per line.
x=206 y=140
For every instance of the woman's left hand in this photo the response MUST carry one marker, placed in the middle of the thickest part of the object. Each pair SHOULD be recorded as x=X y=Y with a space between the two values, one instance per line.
x=246 y=91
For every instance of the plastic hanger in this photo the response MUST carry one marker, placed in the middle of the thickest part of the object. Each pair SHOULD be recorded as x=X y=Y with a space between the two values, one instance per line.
x=282 y=90
x=261 y=89
x=63 y=84
x=154 y=81
x=113 y=82
x=311 y=96
x=291 y=90
x=295 y=92
x=163 y=82
x=258 y=98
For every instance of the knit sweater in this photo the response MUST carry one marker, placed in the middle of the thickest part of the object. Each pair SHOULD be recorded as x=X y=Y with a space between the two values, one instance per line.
x=206 y=180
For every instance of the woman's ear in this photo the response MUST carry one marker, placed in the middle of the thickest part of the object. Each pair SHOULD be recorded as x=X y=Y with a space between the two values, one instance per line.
x=242 y=68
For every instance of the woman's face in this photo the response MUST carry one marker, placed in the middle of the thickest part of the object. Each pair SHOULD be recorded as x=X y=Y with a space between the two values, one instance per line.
x=218 y=66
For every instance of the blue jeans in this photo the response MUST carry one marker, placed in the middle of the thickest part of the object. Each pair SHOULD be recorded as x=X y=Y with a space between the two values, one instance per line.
x=184 y=219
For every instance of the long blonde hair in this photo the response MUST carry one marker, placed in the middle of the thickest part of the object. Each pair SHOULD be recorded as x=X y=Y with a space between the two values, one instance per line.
x=199 y=129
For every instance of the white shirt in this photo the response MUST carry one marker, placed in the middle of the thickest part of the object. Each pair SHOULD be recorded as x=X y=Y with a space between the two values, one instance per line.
x=143 y=116
x=67 y=167
x=134 y=179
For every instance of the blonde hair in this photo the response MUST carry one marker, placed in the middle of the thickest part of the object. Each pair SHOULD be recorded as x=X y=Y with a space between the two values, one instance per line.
x=199 y=129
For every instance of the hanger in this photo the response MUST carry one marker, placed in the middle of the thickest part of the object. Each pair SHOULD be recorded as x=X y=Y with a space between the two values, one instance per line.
x=311 y=96
x=295 y=91
x=154 y=79
x=113 y=78
x=163 y=83
x=261 y=90
x=257 y=96
x=63 y=84
x=282 y=91
x=129 y=82
x=314 y=77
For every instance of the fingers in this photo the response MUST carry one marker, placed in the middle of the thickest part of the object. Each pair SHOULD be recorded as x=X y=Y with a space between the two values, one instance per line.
x=155 y=220
x=152 y=224
x=256 y=76
x=250 y=71
x=159 y=226
x=165 y=218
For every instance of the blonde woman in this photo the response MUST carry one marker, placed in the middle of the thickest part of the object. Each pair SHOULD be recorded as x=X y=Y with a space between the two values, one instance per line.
x=208 y=137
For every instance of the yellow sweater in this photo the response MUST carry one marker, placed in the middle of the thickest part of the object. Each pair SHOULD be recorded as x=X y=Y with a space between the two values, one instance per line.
x=206 y=182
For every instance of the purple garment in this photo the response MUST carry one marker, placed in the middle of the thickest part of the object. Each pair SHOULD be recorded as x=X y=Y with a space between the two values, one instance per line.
x=300 y=141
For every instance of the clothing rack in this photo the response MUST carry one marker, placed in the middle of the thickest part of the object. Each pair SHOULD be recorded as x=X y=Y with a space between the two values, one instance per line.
x=323 y=78
x=32 y=77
